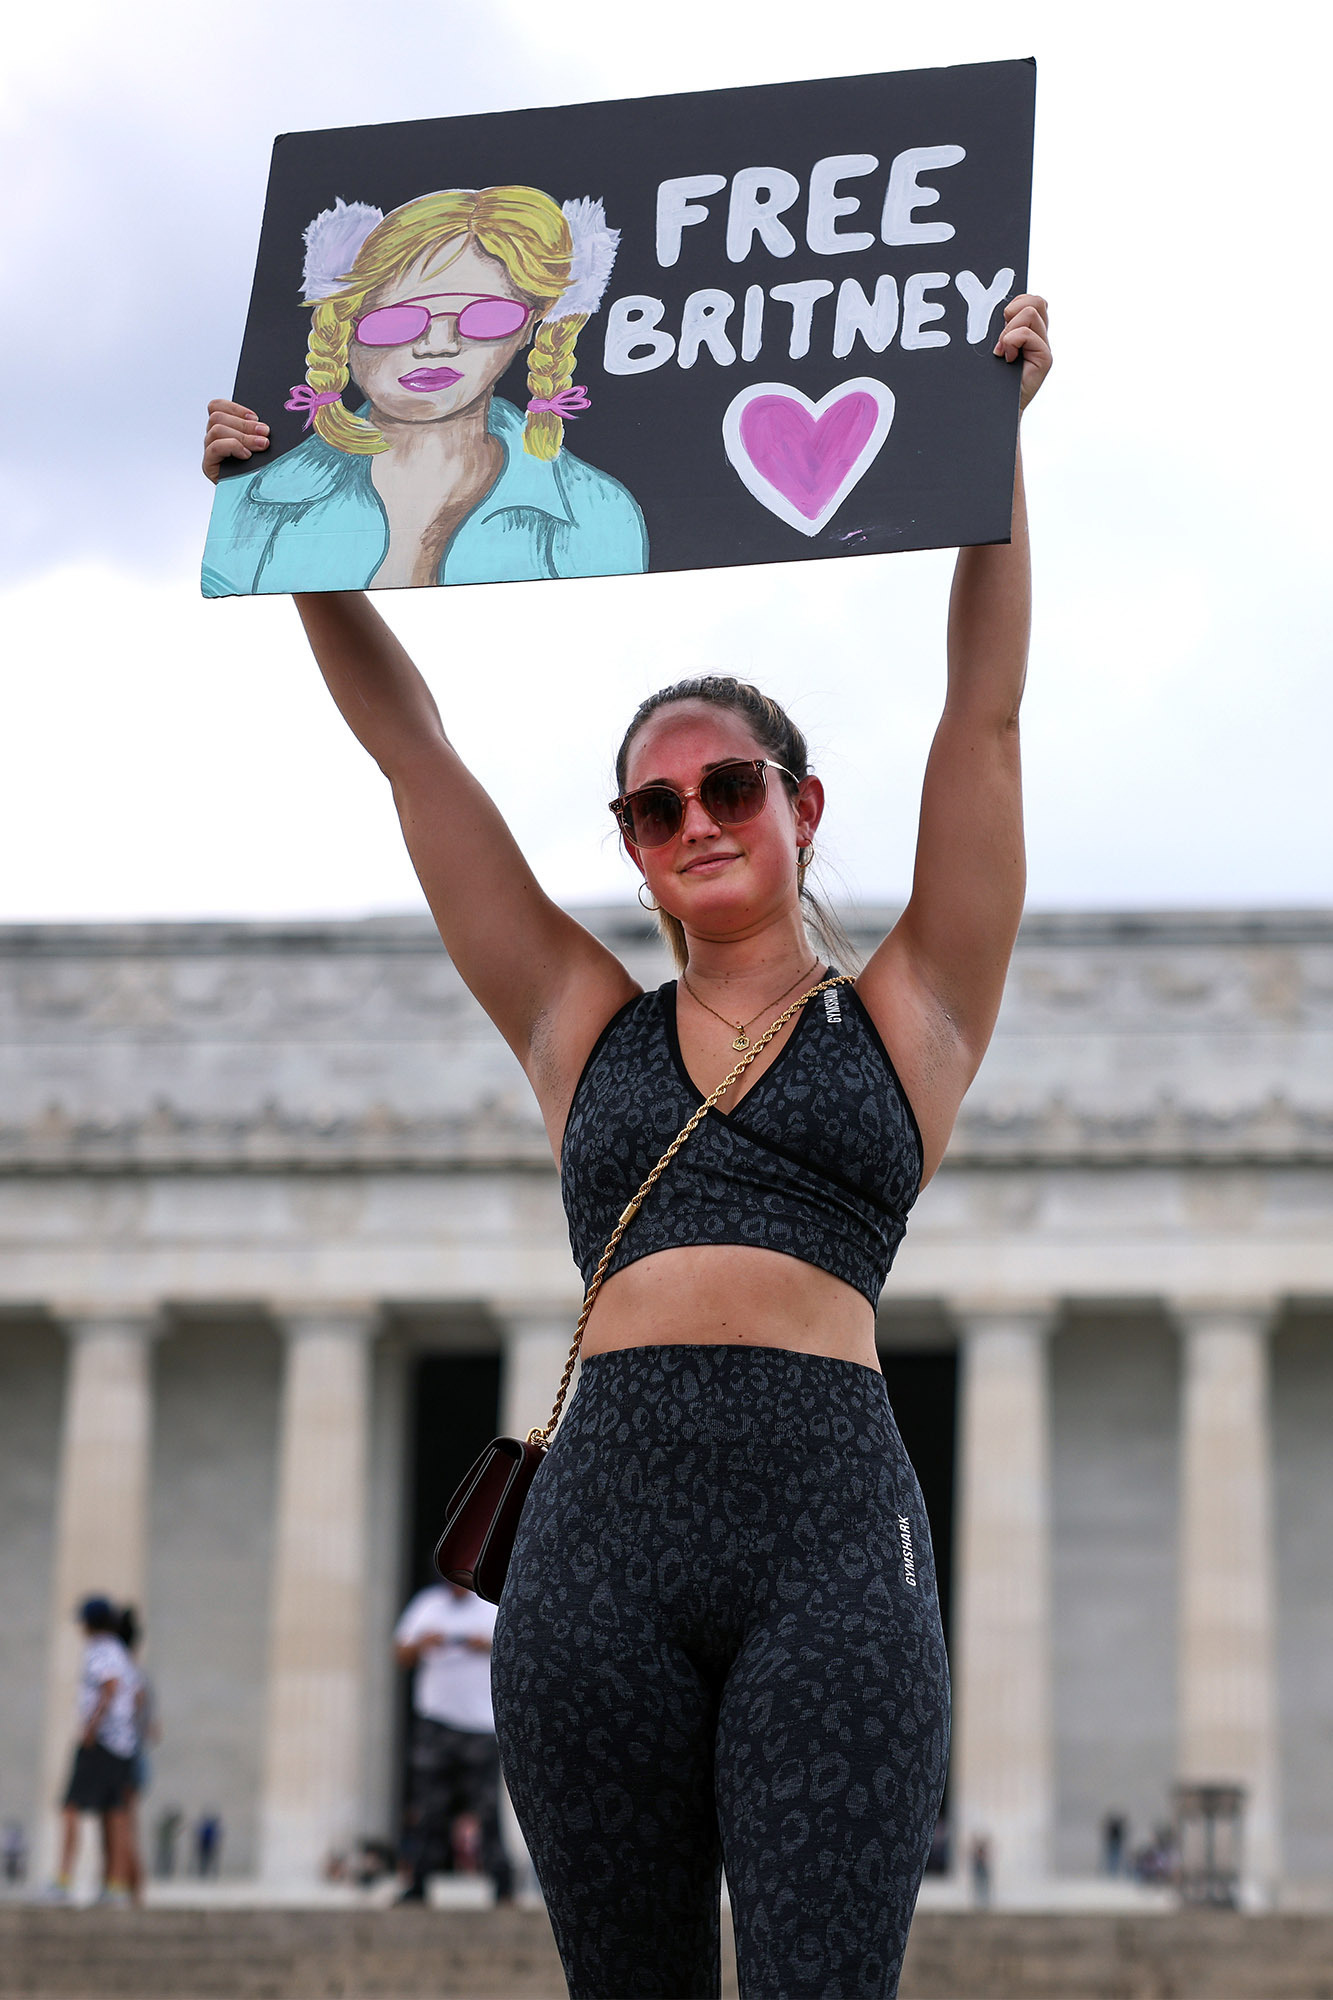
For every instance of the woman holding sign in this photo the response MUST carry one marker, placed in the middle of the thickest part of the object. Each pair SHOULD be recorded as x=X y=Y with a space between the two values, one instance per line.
x=719 y=1641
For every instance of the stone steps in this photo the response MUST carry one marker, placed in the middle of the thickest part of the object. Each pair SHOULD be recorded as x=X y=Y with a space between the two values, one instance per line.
x=1181 y=1955
x=54 y=1954
x=278 y=1954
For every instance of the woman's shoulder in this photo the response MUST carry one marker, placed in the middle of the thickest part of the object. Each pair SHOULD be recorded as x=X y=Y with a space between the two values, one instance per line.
x=230 y=496
x=309 y=471
x=640 y=1020
x=643 y=1014
x=253 y=510
x=630 y=1056
x=605 y=518
x=590 y=486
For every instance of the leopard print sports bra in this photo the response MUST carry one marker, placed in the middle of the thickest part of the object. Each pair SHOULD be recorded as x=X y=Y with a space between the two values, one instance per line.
x=821 y=1159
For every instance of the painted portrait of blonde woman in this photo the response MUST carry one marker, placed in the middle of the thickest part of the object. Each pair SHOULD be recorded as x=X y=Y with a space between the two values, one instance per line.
x=429 y=476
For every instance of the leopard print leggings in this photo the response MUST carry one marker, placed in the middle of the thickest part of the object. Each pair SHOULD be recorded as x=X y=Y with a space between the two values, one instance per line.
x=719 y=1644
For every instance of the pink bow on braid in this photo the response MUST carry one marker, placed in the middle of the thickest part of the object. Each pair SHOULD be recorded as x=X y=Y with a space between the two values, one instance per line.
x=303 y=397
x=567 y=403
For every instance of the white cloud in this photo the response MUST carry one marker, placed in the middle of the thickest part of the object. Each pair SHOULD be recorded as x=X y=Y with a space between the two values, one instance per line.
x=166 y=756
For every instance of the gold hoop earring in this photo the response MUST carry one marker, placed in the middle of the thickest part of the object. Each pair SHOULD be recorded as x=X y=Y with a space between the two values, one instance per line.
x=805 y=855
x=650 y=905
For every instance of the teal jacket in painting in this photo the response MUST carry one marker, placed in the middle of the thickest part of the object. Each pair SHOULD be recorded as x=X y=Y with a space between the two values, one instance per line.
x=312 y=520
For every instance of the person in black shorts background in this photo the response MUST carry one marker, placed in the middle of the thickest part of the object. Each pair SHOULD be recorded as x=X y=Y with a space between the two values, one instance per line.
x=102 y=1775
x=453 y=1816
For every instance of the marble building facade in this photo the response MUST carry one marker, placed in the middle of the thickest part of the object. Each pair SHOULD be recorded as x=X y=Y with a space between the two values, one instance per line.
x=253 y=1175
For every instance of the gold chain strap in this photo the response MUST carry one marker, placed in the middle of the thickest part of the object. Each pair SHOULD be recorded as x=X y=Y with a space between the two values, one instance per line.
x=543 y=1436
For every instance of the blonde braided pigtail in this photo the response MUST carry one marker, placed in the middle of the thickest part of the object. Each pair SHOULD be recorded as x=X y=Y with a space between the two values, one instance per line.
x=326 y=369
x=550 y=369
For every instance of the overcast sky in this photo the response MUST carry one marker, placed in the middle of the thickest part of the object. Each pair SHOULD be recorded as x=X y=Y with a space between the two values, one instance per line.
x=162 y=756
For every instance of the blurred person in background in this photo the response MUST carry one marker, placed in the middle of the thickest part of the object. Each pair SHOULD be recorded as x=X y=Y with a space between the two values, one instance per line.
x=129 y=1631
x=979 y=1860
x=14 y=1851
x=103 y=1769
x=453 y=1815
x=208 y=1844
x=1115 y=1832
x=166 y=1834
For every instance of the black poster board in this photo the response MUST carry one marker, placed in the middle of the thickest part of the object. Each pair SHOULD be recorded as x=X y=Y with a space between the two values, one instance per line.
x=791 y=354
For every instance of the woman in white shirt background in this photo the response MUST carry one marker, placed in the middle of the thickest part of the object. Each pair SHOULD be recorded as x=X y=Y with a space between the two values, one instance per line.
x=453 y=1811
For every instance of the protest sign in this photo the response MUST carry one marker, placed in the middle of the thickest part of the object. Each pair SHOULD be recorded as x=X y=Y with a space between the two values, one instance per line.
x=734 y=326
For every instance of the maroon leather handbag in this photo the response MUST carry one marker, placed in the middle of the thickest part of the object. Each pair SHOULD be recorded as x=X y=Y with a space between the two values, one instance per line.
x=482 y=1517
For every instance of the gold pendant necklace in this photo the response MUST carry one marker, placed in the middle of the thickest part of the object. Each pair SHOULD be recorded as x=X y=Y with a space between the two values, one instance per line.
x=742 y=1041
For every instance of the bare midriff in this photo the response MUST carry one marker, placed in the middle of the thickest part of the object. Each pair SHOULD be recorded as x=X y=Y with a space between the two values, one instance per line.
x=728 y=1295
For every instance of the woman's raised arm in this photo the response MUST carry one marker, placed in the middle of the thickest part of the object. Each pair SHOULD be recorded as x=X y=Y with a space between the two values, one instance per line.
x=546 y=982
x=936 y=982
x=548 y=985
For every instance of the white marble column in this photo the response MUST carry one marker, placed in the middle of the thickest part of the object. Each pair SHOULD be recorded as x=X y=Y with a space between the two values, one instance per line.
x=1003 y=1761
x=536 y=1347
x=101 y=1524
x=316 y=1695
x=1227 y=1672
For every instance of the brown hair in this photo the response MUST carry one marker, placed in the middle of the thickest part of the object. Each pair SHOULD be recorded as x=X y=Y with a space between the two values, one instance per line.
x=776 y=733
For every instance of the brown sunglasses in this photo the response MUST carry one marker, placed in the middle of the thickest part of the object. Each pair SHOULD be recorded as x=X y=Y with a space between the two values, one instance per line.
x=731 y=794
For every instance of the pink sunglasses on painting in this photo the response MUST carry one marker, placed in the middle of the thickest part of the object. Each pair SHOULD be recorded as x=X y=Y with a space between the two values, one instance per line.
x=483 y=318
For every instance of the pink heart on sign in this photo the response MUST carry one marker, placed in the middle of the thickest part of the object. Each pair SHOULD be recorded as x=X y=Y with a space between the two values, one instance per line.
x=806 y=457
x=801 y=459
